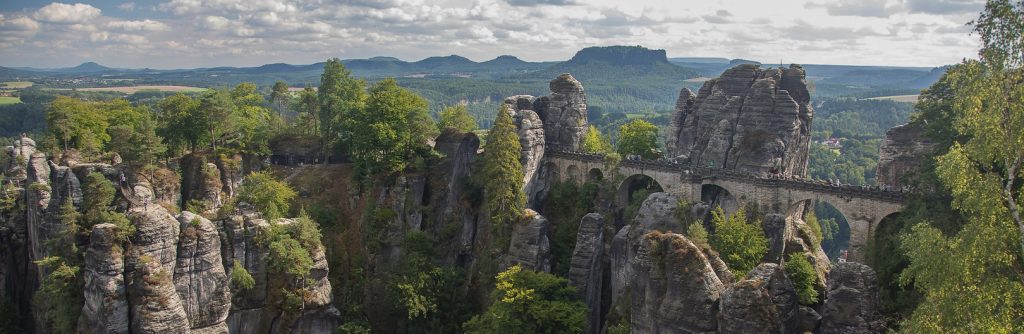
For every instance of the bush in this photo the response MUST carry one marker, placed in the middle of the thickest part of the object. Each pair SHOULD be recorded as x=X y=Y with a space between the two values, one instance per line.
x=531 y=302
x=804 y=278
x=697 y=234
x=741 y=245
x=268 y=195
x=241 y=278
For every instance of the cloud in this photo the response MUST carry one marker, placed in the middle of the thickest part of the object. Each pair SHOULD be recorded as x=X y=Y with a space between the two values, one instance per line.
x=945 y=6
x=864 y=8
x=127 y=6
x=530 y=3
x=57 y=12
x=143 y=25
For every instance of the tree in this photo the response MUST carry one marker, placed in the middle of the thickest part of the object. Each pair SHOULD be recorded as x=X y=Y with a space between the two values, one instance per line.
x=339 y=95
x=384 y=133
x=503 y=173
x=137 y=144
x=804 y=278
x=279 y=96
x=97 y=195
x=594 y=142
x=268 y=195
x=457 y=117
x=530 y=302
x=77 y=124
x=308 y=108
x=639 y=137
x=181 y=123
x=973 y=280
x=742 y=245
x=59 y=297
x=217 y=108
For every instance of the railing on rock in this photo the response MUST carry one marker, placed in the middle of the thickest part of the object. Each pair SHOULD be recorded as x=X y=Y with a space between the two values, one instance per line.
x=699 y=173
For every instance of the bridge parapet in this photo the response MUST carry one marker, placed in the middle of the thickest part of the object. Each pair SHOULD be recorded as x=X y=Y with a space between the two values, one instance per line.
x=702 y=172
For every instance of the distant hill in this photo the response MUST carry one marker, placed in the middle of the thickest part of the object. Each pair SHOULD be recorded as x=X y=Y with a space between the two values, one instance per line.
x=452 y=61
x=88 y=67
x=699 y=60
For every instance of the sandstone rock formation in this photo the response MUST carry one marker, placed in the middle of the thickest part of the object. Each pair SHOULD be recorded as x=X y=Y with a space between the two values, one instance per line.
x=106 y=303
x=530 y=246
x=675 y=290
x=783 y=295
x=901 y=154
x=746 y=307
x=852 y=305
x=749 y=119
x=587 y=267
x=199 y=274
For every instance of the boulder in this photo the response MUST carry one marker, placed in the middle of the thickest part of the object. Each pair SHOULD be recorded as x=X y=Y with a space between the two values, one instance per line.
x=199 y=275
x=675 y=289
x=852 y=305
x=106 y=305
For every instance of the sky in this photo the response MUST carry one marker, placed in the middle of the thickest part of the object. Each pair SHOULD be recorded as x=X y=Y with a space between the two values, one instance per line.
x=168 y=34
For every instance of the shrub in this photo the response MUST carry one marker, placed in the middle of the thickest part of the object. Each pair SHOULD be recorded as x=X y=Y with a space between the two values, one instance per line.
x=530 y=302
x=697 y=234
x=804 y=278
x=741 y=245
x=241 y=278
x=268 y=195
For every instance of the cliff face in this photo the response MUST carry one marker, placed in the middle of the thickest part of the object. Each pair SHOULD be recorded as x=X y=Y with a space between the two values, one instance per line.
x=901 y=154
x=749 y=119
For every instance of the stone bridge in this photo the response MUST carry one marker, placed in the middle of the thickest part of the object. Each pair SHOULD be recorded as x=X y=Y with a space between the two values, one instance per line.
x=864 y=208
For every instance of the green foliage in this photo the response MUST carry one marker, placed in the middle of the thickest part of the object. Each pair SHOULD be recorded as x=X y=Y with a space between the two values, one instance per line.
x=77 y=124
x=697 y=234
x=240 y=278
x=393 y=124
x=741 y=245
x=639 y=137
x=268 y=195
x=566 y=204
x=125 y=228
x=804 y=278
x=339 y=96
x=594 y=142
x=182 y=125
x=59 y=298
x=138 y=143
x=307 y=106
x=503 y=173
x=530 y=302
x=620 y=328
x=97 y=195
x=971 y=280
x=288 y=256
x=458 y=117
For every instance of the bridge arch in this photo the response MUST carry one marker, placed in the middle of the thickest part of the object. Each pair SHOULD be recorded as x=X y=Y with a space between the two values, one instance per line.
x=716 y=195
x=572 y=173
x=595 y=175
x=635 y=185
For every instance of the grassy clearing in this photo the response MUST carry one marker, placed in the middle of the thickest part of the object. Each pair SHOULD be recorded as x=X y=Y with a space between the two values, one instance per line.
x=898 y=98
x=144 y=88
x=15 y=84
x=5 y=100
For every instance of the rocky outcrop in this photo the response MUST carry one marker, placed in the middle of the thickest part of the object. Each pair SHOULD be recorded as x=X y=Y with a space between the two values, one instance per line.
x=904 y=151
x=199 y=275
x=530 y=129
x=155 y=305
x=777 y=231
x=746 y=307
x=587 y=267
x=200 y=182
x=783 y=296
x=675 y=290
x=655 y=214
x=106 y=303
x=749 y=119
x=530 y=246
x=852 y=305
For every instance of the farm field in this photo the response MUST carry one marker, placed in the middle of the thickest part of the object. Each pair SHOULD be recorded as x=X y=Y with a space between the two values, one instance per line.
x=4 y=100
x=15 y=84
x=135 y=89
x=897 y=98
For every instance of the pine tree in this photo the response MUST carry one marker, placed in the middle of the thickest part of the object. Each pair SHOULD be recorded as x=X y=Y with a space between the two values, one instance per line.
x=502 y=171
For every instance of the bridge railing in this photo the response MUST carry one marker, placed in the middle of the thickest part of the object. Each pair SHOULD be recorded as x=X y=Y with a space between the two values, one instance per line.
x=697 y=173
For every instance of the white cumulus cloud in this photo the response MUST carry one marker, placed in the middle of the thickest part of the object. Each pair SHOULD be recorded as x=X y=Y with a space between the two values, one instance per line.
x=57 y=12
